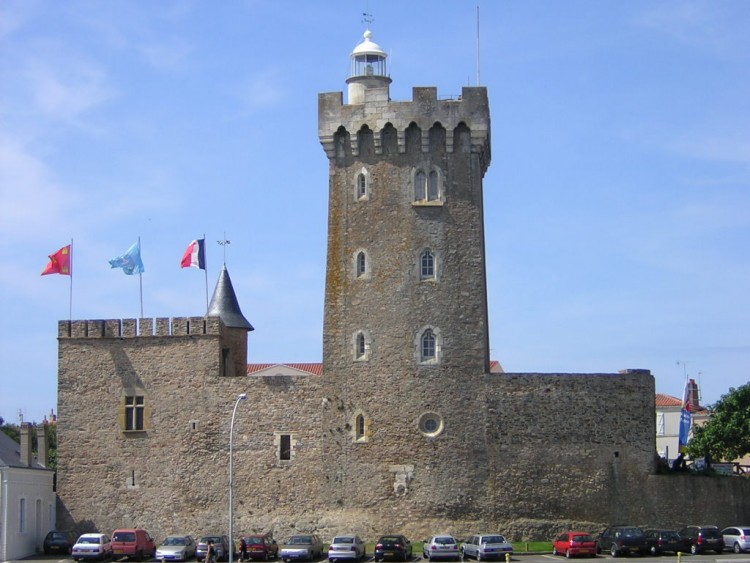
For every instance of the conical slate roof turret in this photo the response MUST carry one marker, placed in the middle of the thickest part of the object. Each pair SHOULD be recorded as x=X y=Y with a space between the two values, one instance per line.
x=224 y=303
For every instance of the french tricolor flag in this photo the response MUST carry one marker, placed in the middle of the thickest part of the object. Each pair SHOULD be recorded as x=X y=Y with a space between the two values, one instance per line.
x=195 y=255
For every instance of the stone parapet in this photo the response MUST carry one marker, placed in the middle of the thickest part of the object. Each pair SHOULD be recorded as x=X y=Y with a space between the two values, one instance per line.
x=134 y=328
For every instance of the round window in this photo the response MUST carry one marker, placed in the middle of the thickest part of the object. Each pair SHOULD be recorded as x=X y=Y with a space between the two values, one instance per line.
x=430 y=424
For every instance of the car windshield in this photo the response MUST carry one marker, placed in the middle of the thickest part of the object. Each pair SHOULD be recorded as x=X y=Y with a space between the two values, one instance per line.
x=711 y=533
x=493 y=539
x=632 y=533
x=57 y=536
x=343 y=539
x=390 y=539
x=444 y=540
x=670 y=535
x=212 y=539
x=175 y=540
x=124 y=536
x=746 y=531
x=300 y=539
x=88 y=539
x=254 y=539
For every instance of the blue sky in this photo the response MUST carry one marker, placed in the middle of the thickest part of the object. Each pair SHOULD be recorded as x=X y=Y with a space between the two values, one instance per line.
x=617 y=201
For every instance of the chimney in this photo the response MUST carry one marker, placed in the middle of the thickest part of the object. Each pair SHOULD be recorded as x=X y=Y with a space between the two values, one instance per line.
x=26 y=459
x=42 y=445
x=693 y=399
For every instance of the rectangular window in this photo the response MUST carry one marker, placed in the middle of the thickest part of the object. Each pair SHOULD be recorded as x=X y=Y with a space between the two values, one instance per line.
x=285 y=447
x=22 y=516
x=134 y=412
x=660 y=430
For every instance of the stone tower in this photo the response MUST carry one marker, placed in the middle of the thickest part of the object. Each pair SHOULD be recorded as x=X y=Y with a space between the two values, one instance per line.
x=405 y=344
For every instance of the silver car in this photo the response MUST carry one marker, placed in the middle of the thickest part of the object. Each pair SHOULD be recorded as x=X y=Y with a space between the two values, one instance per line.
x=176 y=548
x=486 y=546
x=346 y=547
x=303 y=546
x=442 y=546
x=737 y=538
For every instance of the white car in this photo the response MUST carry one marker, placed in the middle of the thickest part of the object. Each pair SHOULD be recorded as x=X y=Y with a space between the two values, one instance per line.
x=176 y=548
x=486 y=546
x=346 y=547
x=442 y=546
x=92 y=546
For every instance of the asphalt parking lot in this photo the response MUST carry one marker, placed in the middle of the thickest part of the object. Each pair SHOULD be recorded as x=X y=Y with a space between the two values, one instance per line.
x=726 y=557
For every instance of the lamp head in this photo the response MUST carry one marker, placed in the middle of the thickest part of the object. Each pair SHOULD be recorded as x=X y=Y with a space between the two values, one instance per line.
x=242 y=397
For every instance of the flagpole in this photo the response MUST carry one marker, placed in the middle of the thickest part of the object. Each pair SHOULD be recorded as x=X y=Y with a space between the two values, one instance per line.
x=140 y=276
x=205 y=269
x=70 y=301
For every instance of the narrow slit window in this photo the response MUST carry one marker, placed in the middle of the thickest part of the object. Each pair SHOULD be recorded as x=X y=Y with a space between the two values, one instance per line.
x=361 y=186
x=285 y=447
x=360 y=426
x=361 y=264
x=361 y=345
x=433 y=192
x=420 y=186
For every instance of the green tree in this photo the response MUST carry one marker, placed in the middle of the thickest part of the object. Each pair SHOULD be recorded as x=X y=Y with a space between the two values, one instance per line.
x=726 y=434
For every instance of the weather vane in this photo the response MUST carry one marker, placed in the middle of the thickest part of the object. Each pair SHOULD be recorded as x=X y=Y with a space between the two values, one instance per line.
x=367 y=18
x=224 y=242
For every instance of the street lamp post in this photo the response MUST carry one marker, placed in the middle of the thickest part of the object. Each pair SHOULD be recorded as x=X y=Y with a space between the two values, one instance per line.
x=240 y=398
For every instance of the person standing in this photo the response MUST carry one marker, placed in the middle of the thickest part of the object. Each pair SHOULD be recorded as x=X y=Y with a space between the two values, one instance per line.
x=243 y=549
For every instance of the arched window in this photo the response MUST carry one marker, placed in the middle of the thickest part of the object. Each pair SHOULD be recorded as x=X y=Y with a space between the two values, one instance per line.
x=361 y=186
x=420 y=186
x=361 y=264
x=433 y=193
x=427 y=265
x=428 y=346
x=359 y=427
x=427 y=186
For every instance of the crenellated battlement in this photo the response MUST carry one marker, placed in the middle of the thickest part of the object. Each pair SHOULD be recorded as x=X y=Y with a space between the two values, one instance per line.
x=379 y=113
x=135 y=328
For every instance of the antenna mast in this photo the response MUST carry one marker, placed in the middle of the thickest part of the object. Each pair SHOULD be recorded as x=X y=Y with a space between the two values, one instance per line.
x=478 y=82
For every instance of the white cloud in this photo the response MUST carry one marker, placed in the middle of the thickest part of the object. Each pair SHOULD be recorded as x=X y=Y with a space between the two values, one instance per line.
x=261 y=91
x=713 y=27
x=65 y=87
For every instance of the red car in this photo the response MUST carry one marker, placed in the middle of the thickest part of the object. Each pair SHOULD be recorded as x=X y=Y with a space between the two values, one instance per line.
x=571 y=544
x=261 y=546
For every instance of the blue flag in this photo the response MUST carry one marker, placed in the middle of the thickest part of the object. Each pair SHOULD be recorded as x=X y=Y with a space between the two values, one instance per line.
x=130 y=262
x=686 y=416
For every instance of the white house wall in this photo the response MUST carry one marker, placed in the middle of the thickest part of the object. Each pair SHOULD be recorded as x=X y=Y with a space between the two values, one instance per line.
x=35 y=486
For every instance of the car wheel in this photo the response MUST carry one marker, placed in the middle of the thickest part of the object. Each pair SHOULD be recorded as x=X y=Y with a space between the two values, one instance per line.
x=614 y=551
x=568 y=555
x=654 y=551
x=737 y=548
x=694 y=549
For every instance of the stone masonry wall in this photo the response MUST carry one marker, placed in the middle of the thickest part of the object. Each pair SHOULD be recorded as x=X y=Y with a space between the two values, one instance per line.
x=548 y=462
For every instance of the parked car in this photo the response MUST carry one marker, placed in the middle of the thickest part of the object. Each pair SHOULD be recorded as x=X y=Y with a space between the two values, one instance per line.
x=486 y=546
x=664 y=541
x=736 y=538
x=571 y=544
x=304 y=546
x=393 y=547
x=134 y=543
x=221 y=545
x=699 y=539
x=176 y=548
x=622 y=540
x=442 y=546
x=261 y=546
x=346 y=547
x=92 y=546
x=58 y=542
